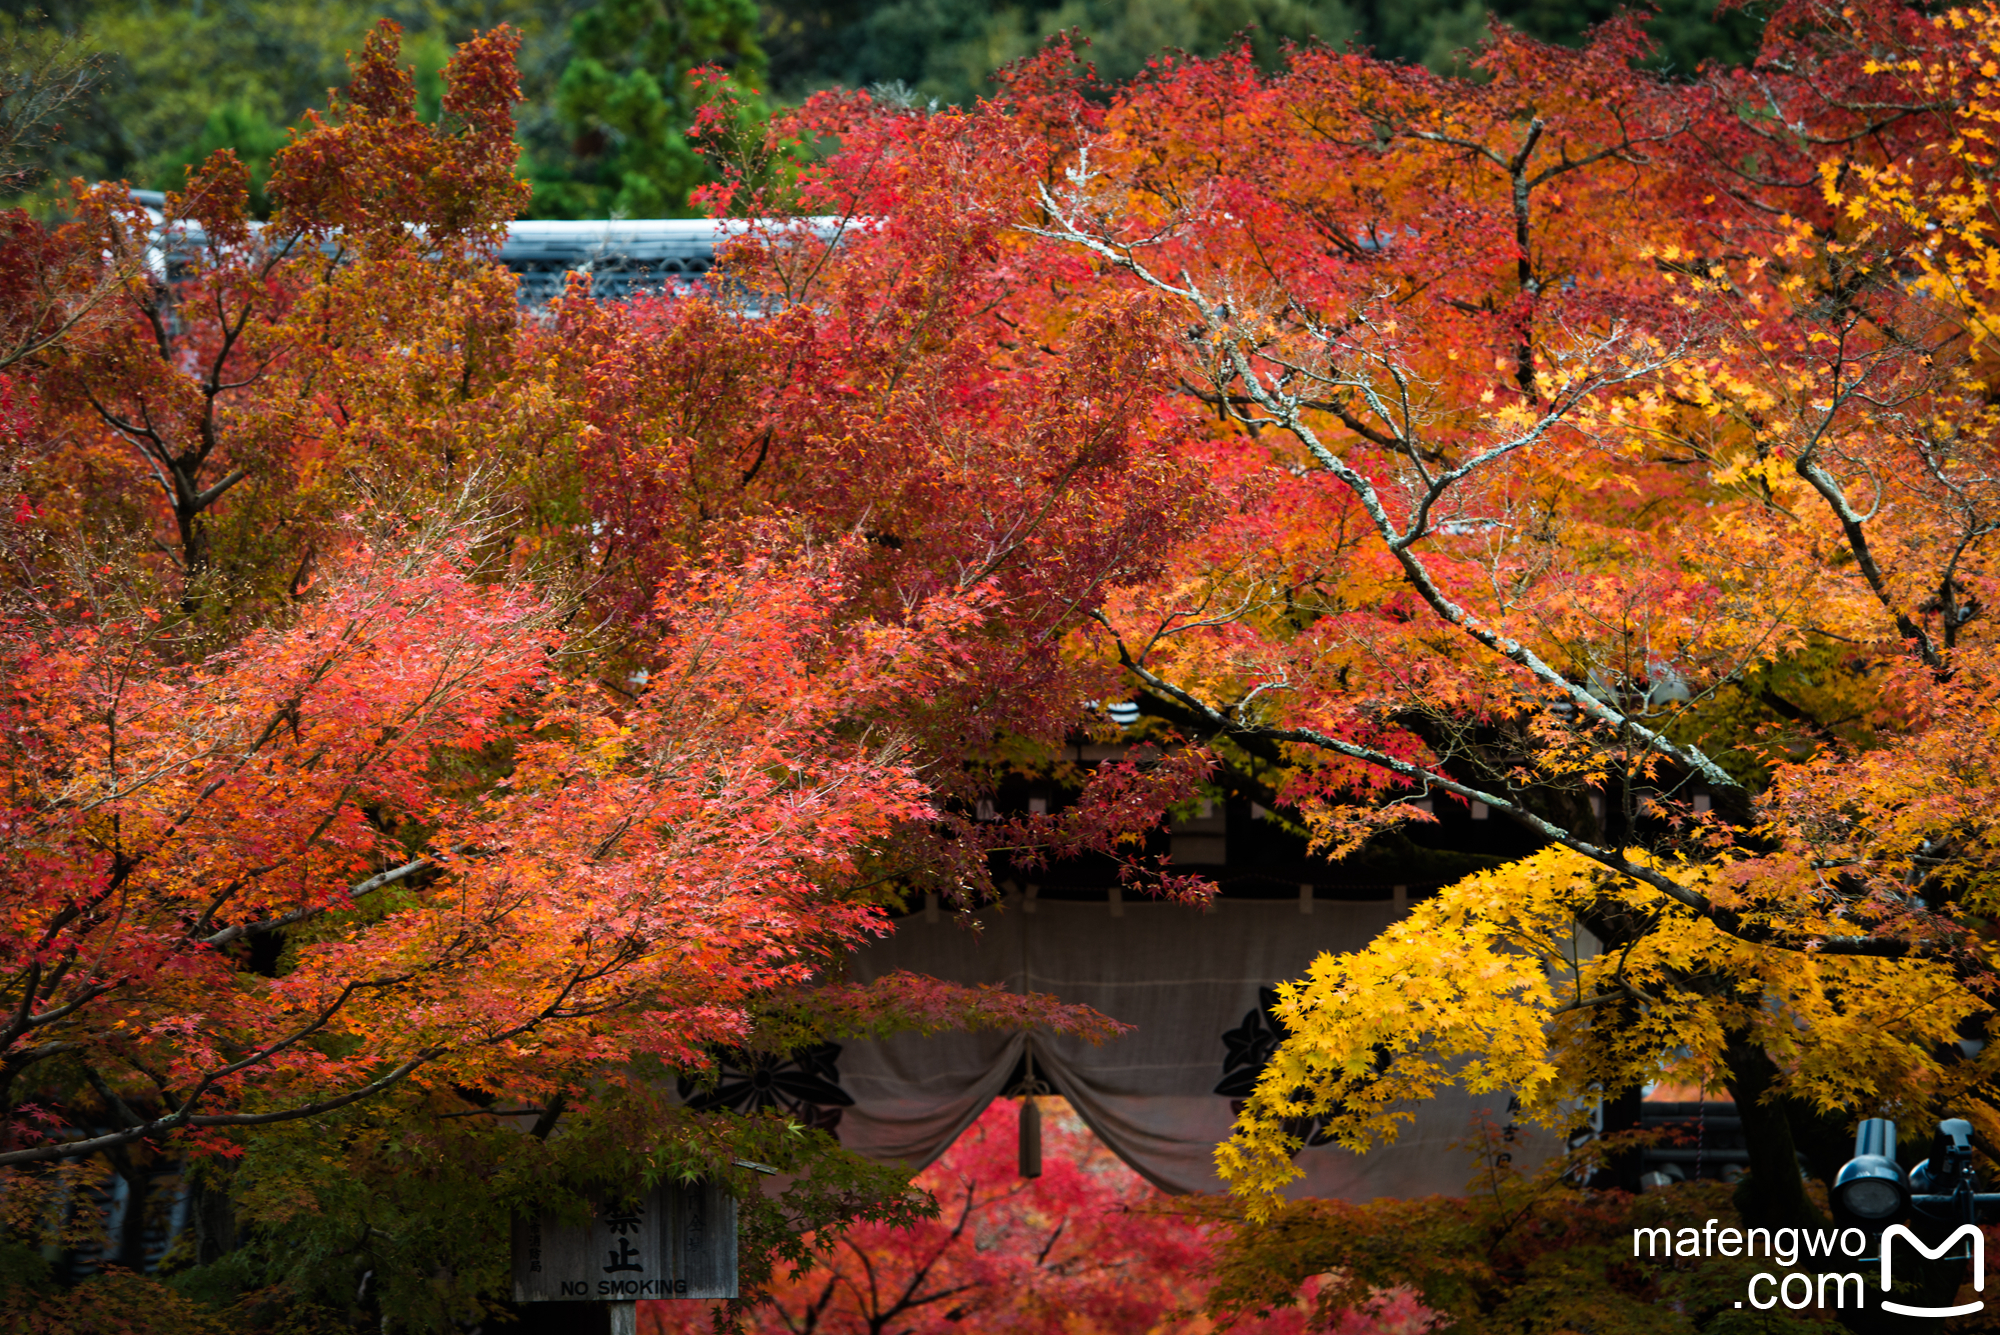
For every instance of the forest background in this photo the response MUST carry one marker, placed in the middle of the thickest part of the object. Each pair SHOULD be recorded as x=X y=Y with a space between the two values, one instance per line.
x=723 y=575
x=605 y=86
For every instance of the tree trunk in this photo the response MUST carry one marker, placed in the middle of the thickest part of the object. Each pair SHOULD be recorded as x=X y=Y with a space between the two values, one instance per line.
x=1773 y=1195
x=213 y=1218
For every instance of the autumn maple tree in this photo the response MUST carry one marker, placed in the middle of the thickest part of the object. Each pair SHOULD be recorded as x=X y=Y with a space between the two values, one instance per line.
x=1615 y=454
x=1086 y=1247
x=419 y=716
x=1608 y=451
x=415 y=713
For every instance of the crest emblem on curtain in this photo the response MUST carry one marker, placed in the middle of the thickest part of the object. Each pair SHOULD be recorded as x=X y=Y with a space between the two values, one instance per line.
x=804 y=1082
x=1247 y=1050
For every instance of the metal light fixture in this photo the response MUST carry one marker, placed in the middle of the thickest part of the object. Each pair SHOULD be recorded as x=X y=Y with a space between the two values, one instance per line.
x=1942 y=1190
x=1870 y=1185
x=1950 y=1166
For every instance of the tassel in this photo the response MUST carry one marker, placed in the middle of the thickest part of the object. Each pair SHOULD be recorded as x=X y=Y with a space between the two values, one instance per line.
x=1031 y=1137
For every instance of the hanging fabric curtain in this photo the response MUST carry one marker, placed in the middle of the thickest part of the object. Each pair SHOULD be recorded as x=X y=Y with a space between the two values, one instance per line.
x=1196 y=984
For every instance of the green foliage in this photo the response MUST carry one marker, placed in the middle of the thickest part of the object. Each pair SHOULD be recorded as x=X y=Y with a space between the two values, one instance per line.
x=181 y=78
x=44 y=77
x=948 y=49
x=1688 y=32
x=627 y=97
x=1518 y=1254
x=245 y=128
x=116 y=1303
x=397 y=1213
x=1785 y=710
x=607 y=87
x=22 y=1267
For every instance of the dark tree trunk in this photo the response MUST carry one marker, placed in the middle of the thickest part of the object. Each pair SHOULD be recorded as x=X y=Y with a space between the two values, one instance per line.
x=213 y=1219
x=128 y=1249
x=1773 y=1195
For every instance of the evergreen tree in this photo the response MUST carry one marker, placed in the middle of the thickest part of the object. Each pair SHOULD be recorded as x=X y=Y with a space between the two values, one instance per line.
x=626 y=98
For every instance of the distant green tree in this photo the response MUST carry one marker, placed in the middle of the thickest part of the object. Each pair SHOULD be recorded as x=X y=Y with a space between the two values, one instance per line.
x=627 y=97
x=1688 y=32
x=45 y=79
x=180 y=78
x=180 y=75
x=247 y=128
x=948 y=49
x=607 y=87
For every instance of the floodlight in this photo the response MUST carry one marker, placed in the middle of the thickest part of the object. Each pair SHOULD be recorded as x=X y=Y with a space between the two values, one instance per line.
x=1950 y=1164
x=1871 y=1185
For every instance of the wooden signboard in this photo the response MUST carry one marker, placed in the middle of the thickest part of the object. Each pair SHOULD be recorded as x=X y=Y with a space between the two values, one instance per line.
x=677 y=1242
